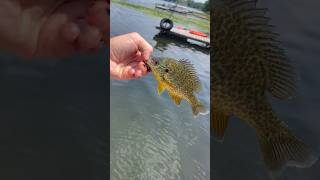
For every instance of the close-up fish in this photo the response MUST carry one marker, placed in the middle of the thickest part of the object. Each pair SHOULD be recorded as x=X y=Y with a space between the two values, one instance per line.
x=248 y=62
x=179 y=78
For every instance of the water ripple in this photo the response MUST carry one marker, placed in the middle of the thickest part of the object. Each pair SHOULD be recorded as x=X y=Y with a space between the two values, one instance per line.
x=151 y=138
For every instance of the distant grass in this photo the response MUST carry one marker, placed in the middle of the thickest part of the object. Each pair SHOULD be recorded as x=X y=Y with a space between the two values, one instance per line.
x=201 y=24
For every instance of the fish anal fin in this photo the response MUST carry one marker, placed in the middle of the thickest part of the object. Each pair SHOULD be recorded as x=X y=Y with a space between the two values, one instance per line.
x=175 y=98
x=219 y=123
x=283 y=150
x=161 y=88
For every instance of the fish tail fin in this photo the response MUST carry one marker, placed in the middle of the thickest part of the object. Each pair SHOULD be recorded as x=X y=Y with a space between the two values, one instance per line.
x=284 y=149
x=199 y=108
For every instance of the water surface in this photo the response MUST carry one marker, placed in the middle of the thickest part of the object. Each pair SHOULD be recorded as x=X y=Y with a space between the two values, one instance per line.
x=151 y=138
x=53 y=118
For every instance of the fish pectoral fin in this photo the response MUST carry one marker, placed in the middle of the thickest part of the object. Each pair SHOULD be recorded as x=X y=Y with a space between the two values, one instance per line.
x=219 y=124
x=175 y=98
x=161 y=88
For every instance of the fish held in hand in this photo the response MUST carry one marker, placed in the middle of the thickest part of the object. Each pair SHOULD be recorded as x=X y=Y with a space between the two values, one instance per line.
x=179 y=78
x=248 y=62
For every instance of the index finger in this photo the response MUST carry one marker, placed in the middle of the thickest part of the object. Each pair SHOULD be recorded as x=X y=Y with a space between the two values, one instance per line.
x=143 y=46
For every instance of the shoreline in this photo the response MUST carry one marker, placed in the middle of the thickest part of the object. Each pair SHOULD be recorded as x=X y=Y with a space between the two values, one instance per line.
x=203 y=25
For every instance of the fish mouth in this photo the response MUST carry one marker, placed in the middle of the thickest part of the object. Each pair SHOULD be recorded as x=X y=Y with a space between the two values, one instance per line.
x=148 y=67
x=151 y=63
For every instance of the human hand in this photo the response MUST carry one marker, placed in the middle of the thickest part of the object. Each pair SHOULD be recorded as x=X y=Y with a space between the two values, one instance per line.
x=51 y=28
x=128 y=54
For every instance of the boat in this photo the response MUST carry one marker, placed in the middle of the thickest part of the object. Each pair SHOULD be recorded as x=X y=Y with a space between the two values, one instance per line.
x=173 y=8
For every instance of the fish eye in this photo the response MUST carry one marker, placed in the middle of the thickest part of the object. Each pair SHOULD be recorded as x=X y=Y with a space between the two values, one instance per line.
x=166 y=70
x=155 y=62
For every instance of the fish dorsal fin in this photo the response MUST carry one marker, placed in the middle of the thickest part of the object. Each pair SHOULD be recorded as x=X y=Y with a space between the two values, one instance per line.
x=281 y=76
x=280 y=73
x=239 y=4
x=219 y=124
x=175 y=98
x=161 y=87
x=190 y=74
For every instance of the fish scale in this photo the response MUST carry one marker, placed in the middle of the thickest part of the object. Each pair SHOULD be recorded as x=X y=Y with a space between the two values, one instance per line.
x=179 y=78
x=248 y=61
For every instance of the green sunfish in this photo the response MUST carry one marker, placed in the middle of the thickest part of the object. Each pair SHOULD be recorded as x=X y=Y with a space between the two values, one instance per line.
x=248 y=62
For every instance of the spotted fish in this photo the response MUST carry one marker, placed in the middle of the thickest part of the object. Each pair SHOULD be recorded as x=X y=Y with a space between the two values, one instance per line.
x=179 y=78
x=248 y=62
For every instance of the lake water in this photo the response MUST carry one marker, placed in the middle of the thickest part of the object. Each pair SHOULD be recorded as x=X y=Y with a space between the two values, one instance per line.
x=151 y=138
x=238 y=157
x=53 y=118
